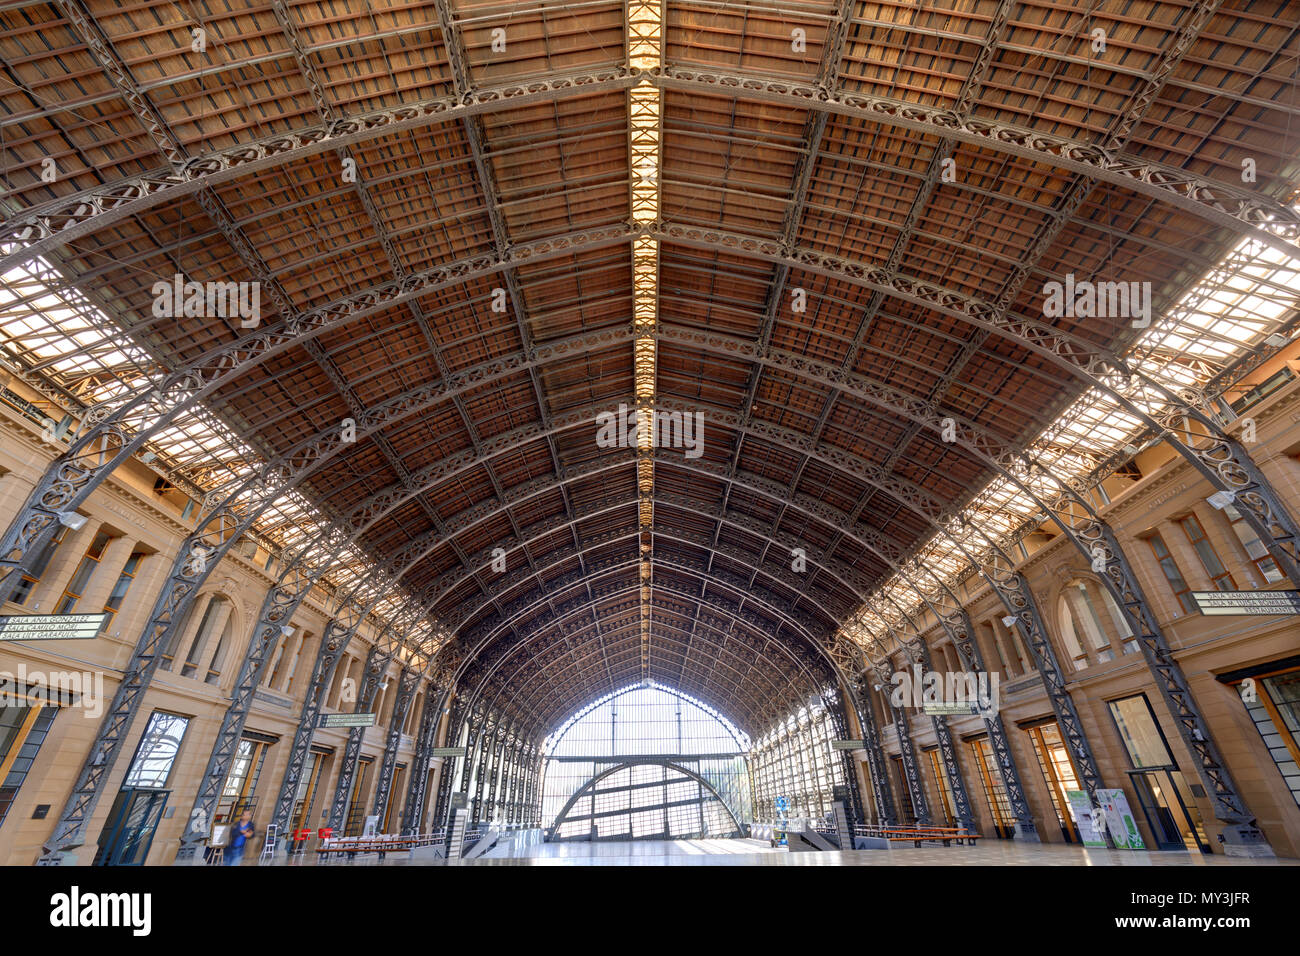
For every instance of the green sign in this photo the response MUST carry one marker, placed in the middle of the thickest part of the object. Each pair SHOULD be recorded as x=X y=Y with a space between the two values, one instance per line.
x=51 y=627
x=347 y=720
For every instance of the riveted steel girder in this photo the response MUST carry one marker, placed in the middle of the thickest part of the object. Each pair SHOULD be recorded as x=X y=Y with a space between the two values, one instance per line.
x=372 y=673
x=407 y=682
x=1227 y=204
x=435 y=701
x=112 y=432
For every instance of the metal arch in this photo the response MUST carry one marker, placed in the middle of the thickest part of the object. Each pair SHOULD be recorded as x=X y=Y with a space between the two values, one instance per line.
x=622 y=627
x=488 y=635
x=214 y=535
x=288 y=785
x=1220 y=459
x=850 y=472
x=579 y=607
x=1223 y=204
x=569 y=702
x=113 y=432
x=1227 y=457
x=625 y=765
x=719 y=579
x=69 y=218
x=530 y=603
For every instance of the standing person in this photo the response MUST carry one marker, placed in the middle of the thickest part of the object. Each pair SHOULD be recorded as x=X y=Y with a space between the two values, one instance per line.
x=239 y=839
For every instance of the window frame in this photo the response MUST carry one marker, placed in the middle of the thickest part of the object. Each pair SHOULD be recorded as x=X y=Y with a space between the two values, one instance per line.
x=1215 y=579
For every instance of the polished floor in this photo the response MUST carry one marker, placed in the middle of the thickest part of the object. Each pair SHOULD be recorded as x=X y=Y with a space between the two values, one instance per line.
x=746 y=852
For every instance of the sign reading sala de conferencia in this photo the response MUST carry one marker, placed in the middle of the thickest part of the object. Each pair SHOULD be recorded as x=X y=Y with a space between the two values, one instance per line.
x=50 y=627
x=1247 y=602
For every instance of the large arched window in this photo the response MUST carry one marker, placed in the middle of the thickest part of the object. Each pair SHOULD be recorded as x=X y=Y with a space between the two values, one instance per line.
x=1092 y=626
x=645 y=762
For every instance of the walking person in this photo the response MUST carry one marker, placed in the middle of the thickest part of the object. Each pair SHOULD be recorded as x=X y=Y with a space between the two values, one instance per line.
x=239 y=839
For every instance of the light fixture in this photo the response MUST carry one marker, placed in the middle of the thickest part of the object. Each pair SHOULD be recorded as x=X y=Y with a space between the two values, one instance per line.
x=644 y=51
x=70 y=519
x=286 y=630
x=1221 y=499
x=1276 y=340
x=1009 y=621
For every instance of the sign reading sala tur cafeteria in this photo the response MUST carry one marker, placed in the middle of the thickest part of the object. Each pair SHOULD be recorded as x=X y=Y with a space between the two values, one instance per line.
x=1248 y=602
x=50 y=627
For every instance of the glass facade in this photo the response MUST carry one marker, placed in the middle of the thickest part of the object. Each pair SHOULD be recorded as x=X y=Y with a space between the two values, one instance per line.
x=645 y=763
x=795 y=761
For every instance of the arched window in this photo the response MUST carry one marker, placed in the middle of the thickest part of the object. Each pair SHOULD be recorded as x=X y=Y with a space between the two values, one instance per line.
x=1092 y=626
x=645 y=762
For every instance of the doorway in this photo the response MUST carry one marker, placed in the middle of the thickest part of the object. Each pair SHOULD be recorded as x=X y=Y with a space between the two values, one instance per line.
x=131 y=825
x=1174 y=823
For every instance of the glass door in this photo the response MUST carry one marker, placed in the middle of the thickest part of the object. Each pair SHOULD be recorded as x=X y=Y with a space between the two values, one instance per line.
x=1175 y=823
x=132 y=822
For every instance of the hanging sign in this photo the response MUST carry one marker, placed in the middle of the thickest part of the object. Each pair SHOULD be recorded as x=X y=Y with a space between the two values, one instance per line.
x=447 y=752
x=50 y=627
x=347 y=720
x=847 y=744
x=1247 y=602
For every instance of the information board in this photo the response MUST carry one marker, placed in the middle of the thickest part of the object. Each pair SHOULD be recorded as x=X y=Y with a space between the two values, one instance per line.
x=1248 y=602
x=51 y=627
x=347 y=720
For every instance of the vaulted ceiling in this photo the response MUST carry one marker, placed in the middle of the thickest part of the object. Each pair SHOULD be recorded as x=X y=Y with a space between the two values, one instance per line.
x=441 y=221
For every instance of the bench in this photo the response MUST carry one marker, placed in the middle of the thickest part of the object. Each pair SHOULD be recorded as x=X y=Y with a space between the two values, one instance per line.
x=918 y=835
x=374 y=844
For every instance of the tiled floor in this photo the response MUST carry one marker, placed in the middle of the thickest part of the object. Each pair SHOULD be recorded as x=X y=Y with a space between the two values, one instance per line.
x=758 y=853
